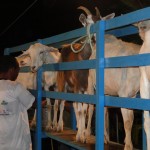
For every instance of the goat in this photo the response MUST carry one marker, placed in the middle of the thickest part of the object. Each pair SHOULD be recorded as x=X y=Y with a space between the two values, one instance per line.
x=144 y=32
x=26 y=79
x=124 y=81
x=76 y=81
x=41 y=54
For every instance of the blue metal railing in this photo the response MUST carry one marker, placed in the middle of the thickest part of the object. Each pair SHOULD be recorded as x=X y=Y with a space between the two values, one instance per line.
x=119 y=26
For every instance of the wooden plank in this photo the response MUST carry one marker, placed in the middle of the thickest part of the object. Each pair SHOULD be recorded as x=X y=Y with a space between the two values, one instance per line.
x=68 y=137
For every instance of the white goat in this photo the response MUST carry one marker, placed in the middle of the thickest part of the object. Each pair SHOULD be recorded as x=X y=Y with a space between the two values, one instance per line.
x=144 y=32
x=125 y=81
x=26 y=79
x=41 y=54
x=118 y=82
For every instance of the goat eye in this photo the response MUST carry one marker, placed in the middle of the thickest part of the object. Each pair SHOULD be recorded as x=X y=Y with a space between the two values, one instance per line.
x=41 y=54
x=143 y=27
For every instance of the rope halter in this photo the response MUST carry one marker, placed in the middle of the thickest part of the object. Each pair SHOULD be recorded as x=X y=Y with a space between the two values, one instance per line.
x=87 y=40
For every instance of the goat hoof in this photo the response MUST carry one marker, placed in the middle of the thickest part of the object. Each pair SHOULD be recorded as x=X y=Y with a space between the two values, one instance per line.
x=128 y=147
x=106 y=139
x=60 y=126
x=77 y=137
x=48 y=128
x=55 y=126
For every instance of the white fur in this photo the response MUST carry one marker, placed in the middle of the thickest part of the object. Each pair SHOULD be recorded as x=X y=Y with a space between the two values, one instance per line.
x=144 y=32
x=118 y=82
x=41 y=54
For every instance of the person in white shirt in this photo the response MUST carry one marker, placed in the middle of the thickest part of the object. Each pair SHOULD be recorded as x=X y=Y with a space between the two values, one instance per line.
x=15 y=100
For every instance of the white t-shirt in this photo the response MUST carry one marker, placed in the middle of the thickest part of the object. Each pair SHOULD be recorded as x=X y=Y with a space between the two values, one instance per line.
x=14 y=123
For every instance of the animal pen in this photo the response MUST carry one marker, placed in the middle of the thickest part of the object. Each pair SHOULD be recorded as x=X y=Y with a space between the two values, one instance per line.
x=119 y=26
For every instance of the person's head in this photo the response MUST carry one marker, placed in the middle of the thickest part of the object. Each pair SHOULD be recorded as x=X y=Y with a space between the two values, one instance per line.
x=9 y=68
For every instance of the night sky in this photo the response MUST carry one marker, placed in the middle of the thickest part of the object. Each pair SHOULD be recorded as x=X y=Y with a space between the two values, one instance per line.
x=26 y=21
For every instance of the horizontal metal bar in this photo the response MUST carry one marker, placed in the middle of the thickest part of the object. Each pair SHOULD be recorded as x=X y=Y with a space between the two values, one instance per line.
x=129 y=18
x=82 y=98
x=65 y=36
x=123 y=31
x=60 y=44
x=123 y=102
x=25 y=69
x=128 y=61
x=111 y=62
x=33 y=92
x=86 y=64
x=21 y=47
x=130 y=103
x=110 y=101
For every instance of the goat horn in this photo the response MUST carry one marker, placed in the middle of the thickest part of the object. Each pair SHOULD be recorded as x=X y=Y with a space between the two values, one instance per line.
x=98 y=13
x=85 y=10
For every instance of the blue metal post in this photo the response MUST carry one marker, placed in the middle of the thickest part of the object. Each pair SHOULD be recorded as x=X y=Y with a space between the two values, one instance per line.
x=38 y=116
x=6 y=51
x=100 y=85
x=40 y=41
x=73 y=118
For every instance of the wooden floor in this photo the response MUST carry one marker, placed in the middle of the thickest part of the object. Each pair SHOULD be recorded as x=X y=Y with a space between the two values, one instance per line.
x=68 y=138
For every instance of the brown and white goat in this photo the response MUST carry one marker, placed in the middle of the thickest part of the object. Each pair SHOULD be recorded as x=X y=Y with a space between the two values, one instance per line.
x=125 y=81
x=76 y=81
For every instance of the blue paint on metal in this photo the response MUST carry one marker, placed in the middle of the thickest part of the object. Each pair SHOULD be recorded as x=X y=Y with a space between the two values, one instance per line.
x=21 y=47
x=100 y=87
x=40 y=41
x=87 y=64
x=6 y=51
x=73 y=119
x=25 y=69
x=39 y=111
x=70 y=96
x=65 y=36
x=131 y=103
x=129 y=18
x=128 y=61
x=33 y=92
x=123 y=31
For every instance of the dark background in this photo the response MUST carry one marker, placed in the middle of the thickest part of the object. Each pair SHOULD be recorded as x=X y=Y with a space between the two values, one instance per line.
x=23 y=21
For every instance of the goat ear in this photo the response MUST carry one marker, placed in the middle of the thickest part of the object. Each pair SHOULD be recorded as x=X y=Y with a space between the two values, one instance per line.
x=135 y=24
x=46 y=48
x=82 y=19
x=110 y=16
x=52 y=49
x=25 y=53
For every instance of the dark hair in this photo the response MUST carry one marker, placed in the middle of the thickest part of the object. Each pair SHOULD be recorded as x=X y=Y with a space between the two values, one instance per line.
x=7 y=62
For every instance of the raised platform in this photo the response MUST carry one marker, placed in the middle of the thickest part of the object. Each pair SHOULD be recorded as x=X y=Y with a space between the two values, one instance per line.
x=68 y=138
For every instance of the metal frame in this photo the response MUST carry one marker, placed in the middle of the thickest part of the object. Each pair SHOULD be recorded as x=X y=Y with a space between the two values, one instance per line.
x=119 y=26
